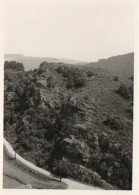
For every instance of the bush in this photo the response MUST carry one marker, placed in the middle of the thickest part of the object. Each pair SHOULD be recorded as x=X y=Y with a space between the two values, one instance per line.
x=51 y=82
x=13 y=65
x=90 y=74
x=79 y=79
x=125 y=92
x=76 y=77
x=113 y=123
x=70 y=83
x=116 y=78
x=43 y=66
x=130 y=112
x=65 y=71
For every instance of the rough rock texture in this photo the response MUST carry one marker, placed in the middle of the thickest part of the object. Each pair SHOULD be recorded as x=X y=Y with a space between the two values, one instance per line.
x=42 y=84
x=75 y=149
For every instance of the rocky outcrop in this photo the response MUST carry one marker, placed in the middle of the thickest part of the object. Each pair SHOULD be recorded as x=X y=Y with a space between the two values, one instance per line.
x=80 y=126
x=41 y=84
x=75 y=149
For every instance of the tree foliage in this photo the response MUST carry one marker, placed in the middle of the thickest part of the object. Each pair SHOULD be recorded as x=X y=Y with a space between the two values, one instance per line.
x=13 y=65
x=76 y=77
x=126 y=92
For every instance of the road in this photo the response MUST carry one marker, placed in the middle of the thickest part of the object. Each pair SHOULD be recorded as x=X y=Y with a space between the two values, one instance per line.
x=21 y=178
x=11 y=171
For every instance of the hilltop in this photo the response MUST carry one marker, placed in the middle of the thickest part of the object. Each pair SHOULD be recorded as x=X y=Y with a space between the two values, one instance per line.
x=76 y=117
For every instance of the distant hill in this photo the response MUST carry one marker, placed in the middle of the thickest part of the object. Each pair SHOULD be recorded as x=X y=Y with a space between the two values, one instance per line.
x=30 y=62
x=120 y=65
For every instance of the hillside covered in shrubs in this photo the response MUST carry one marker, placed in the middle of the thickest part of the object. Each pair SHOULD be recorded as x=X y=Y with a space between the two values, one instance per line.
x=120 y=65
x=75 y=118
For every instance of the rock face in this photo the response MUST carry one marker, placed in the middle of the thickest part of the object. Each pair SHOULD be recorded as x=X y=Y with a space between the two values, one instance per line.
x=80 y=126
x=75 y=150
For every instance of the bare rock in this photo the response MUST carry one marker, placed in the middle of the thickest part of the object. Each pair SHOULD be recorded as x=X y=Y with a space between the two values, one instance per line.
x=42 y=83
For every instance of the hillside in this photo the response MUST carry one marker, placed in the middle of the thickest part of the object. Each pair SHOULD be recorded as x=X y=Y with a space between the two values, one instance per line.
x=120 y=65
x=30 y=63
x=77 y=118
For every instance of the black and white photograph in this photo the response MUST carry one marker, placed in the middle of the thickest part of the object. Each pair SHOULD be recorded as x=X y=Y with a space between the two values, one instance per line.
x=68 y=95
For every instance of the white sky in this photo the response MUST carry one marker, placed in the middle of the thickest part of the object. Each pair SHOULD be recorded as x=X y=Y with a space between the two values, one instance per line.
x=82 y=31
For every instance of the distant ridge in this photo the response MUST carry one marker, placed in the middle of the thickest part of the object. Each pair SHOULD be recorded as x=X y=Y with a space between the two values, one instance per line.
x=120 y=65
x=30 y=62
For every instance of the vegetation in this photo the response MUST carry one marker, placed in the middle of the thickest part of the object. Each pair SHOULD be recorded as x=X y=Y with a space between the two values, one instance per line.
x=13 y=65
x=126 y=92
x=61 y=113
x=113 y=123
x=116 y=64
x=76 y=78
x=116 y=78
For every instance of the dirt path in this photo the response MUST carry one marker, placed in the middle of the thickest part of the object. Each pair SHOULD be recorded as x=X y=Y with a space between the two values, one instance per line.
x=12 y=172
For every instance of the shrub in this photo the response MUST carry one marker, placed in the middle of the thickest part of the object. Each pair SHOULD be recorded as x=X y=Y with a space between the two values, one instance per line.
x=125 y=92
x=70 y=83
x=44 y=65
x=113 y=123
x=79 y=79
x=65 y=71
x=90 y=74
x=51 y=82
x=13 y=65
x=130 y=112
x=116 y=78
x=76 y=77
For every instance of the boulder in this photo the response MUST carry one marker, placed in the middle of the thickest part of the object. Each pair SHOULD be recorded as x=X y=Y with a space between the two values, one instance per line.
x=41 y=83
x=80 y=126
x=75 y=149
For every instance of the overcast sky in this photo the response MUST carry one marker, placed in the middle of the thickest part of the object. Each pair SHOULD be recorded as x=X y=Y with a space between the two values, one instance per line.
x=80 y=31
